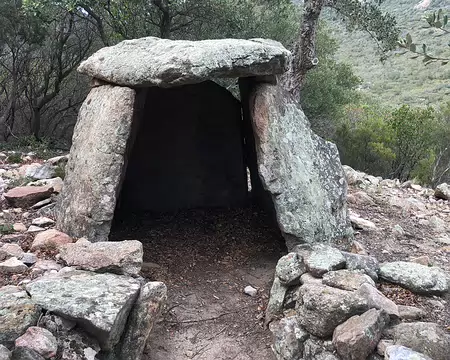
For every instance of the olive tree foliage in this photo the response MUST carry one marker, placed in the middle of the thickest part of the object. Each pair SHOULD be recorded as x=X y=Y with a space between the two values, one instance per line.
x=439 y=21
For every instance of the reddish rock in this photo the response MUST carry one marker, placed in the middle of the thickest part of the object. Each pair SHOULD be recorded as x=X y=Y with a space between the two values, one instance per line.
x=26 y=196
x=40 y=340
x=50 y=237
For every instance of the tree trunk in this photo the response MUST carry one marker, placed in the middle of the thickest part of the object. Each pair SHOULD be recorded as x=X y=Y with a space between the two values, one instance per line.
x=36 y=122
x=305 y=49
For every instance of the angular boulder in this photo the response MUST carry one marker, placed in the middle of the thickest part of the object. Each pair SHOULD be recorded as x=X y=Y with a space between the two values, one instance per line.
x=12 y=266
x=144 y=314
x=377 y=300
x=50 y=238
x=40 y=340
x=324 y=258
x=22 y=353
x=289 y=269
x=5 y=354
x=124 y=257
x=276 y=300
x=26 y=196
x=442 y=191
x=356 y=338
x=321 y=308
x=418 y=278
x=152 y=61
x=423 y=337
x=397 y=352
x=99 y=303
x=346 y=279
x=17 y=314
x=301 y=171
x=88 y=200
x=288 y=338
x=366 y=263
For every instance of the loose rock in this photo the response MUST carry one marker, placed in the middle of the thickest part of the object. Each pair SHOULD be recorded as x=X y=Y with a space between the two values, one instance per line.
x=50 y=238
x=12 y=266
x=22 y=353
x=321 y=308
x=410 y=312
x=40 y=340
x=288 y=338
x=397 y=352
x=43 y=221
x=368 y=264
x=5 y=354
x=324 y=258
x=250 y=291
x=377 y=300
x=289 y=269
x=99 y=303
x=356 y=338
x=124 y=257
x=26 y=196
x=442 y=191
x=415 y=277
x=346 y=279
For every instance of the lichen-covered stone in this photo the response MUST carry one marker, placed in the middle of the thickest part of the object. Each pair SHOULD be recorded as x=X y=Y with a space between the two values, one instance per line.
x=40 y=340
x=144 y=314
x=357 y=337
x=22 y=353
x=321 y=308
x=17 y=313
x=368 y=264
x=324 y=258
x=5 y=354
x=88 y=200
x=415 y=277
x=288 y=338
x=424 y=337
x=99 y=303
x=300 y=170
x=377 y=300
x=290 y=268
x=346 y=279
x=276 y=300
x=121 y=257
x=152 y=61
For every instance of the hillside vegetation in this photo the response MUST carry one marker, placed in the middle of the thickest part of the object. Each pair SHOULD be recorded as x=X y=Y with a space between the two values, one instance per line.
x=400 y=79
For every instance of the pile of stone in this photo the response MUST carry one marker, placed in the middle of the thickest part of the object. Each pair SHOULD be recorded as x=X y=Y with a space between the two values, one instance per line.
x=91 y=304
x=324 y=305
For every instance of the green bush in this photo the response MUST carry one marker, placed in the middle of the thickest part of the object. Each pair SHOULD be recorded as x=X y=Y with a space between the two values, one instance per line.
x=6 y=229
x=402 y=143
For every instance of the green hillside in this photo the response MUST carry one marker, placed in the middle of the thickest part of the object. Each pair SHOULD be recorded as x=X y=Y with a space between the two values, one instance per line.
x=400 y=79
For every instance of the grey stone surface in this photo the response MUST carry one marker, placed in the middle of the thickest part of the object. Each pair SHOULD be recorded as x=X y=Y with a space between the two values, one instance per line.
x=346 y=279
x=397 y=352
x=300 y=170
x=276 y=300
x=377 y=300
x=316 y=349
x=17 y=313
x=144 y=314
x=324 y=258
x=368 y=264
x=119 y=257
x=357 y=337
x=5 y=354
x=289 y=269
x=418 y=278
x=288 y=338
x=424 y=337
x=321 y=308
x=87 y=202
x=99 y=303
x=152 y=61
x=40 y=171
x=410 y=312
x=442 y=191
x=22 y=353
x=40 y=340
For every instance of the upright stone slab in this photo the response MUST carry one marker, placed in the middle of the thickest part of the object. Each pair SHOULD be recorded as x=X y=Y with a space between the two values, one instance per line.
x=300 y=170
x=93 y=173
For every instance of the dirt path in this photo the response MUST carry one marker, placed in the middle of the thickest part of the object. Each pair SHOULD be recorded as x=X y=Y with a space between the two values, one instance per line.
x=207 y=258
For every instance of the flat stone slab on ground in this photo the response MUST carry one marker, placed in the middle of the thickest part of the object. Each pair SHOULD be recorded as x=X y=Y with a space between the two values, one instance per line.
x=26 y=196
x=415 y=277
x=124 y=257
x=100 y=303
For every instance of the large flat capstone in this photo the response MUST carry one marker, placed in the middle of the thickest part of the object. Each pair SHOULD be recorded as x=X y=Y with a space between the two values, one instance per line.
x=152 y=61
x=100 y=303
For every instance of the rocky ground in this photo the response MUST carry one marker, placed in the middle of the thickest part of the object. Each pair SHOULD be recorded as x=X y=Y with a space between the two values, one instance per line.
x=207 y=258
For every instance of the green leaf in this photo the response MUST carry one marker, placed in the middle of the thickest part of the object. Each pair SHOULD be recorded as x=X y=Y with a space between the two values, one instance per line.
x=438 y=24
x=445 y=20
x=424 y=48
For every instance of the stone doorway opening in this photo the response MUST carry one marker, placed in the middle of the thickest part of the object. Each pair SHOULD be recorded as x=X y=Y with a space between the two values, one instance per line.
x=187 y=152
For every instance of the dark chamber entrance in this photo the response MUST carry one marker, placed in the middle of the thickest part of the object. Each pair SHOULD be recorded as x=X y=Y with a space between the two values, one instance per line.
x=187 y=153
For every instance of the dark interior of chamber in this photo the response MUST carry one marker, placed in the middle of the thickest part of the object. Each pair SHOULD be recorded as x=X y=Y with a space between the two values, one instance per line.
x=191 y=149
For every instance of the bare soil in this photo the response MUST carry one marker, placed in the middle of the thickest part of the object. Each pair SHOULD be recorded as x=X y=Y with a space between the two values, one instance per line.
x=207 y=258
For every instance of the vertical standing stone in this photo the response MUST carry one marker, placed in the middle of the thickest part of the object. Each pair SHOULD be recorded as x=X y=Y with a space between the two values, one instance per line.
x=97 y=158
